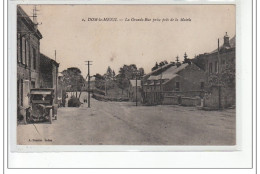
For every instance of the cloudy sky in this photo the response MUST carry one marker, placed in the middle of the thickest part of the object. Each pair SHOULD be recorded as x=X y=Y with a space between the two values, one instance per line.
x=66 y=29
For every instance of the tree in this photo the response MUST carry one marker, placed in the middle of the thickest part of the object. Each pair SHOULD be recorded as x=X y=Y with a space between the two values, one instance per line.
x=141 y=71
x=155 y=66
x=73 y=80
x=226 y=78
x=109 y=73
x=99 y=81
x=126 y=73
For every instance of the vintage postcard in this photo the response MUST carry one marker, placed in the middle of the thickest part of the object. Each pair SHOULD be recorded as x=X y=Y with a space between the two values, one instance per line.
x=152 y=75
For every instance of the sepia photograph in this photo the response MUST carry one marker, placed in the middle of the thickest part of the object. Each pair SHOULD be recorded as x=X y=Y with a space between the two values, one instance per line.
x=153 y=75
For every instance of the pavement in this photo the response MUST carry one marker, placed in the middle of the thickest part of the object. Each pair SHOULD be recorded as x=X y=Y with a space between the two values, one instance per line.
x=122 y=123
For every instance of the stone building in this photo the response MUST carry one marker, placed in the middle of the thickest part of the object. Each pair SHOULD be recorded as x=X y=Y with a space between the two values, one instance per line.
x=184 y=80
x=28 y=57
x=49 y=69
x=219 y=66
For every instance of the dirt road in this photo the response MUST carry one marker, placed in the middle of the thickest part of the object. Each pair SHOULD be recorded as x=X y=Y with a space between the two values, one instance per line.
x=122 y=123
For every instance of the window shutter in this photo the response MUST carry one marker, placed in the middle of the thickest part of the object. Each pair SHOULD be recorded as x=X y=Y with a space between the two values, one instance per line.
x=23 y=50
x=18 y=48
x=28 y=54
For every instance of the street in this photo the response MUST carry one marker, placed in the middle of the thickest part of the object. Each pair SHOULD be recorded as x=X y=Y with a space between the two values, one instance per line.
x=122 y=123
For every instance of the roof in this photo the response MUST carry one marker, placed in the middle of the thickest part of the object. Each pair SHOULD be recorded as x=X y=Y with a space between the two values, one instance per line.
x=175 y=75
x=45 y=59
x=158 y=69
x=133 y=83
x=169 y=73
x=23 y=16
x=232 y=43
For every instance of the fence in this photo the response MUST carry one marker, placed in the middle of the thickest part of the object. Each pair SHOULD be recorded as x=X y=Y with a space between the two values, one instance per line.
x=188 y=98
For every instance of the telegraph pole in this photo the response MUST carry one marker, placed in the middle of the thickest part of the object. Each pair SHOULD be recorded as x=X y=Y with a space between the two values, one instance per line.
x=218 y=75
x=136 y=91
x=137 y=74
x=88 y=82
x=55 y=55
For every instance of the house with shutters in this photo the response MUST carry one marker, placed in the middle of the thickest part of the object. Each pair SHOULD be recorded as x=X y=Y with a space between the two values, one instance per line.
x=34 y=70
x=28 y=57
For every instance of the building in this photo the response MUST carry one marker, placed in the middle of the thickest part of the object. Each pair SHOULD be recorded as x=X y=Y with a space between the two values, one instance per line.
x=175 y=80
x=134 y=91
x=49 y=69
x=219 y=66
x=28 y=57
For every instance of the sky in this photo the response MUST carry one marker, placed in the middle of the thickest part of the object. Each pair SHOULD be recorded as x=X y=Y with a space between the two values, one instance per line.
x=67 y=29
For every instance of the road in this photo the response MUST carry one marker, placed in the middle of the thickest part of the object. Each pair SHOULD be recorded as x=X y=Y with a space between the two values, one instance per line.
x=122 y=123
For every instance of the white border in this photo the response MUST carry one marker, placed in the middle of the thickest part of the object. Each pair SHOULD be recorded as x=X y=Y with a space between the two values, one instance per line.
x=237 y=159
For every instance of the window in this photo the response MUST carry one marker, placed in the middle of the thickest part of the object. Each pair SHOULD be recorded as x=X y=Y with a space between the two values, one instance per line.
x=18 y=92
x=210 y=67
x=34 y=58
x=23 y=50
x=177 y=86
x=32 y=84
x=216 y=66
x=201 y=85
x=21 y=92
x=27 y=54
x=18 y=48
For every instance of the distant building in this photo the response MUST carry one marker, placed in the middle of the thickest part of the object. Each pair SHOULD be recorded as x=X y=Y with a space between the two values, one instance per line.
x=49 y=69
x=28 y=57
x=133 y=87
x=186 y=80
x=186 y=77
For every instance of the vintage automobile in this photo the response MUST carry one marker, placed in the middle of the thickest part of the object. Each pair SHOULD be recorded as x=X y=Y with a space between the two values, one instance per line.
x=42 y=106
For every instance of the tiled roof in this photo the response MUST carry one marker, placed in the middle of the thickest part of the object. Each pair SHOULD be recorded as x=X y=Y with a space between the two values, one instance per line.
x=169 y=73
x=47 y=60
x=158 y=69
x=22 y=15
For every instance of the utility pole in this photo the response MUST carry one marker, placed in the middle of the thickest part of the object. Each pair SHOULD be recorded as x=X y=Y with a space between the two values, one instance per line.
x=88 y=82
x=161 y=86
x=136 y=90
x=137 y=73
x=218 y=75
x=55 y=55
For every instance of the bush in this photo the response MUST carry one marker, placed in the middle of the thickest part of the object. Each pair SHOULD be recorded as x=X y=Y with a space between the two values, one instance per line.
x=105 y=98
x=74 y=102
x=98 y=91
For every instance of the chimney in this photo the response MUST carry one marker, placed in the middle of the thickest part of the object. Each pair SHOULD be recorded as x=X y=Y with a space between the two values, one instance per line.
x=226 y=41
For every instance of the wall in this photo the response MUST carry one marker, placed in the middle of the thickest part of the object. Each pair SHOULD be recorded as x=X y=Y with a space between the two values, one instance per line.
x=226 y=57
x=227 y=97
x=189 y=78
x=27 y=40
x=48 y=74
